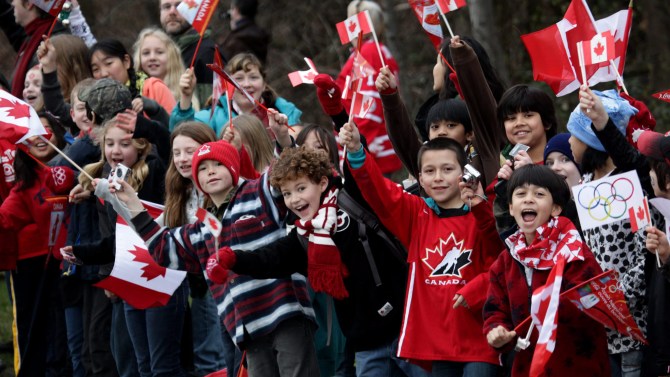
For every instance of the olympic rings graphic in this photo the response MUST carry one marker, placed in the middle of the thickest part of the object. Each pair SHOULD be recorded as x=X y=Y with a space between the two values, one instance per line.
x=606 y=200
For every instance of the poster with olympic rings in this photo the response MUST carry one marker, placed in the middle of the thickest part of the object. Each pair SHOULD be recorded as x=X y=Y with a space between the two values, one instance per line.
x=608 y=200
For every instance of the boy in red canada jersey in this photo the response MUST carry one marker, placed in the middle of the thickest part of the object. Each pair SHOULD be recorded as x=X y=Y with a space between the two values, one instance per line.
x=450 y=247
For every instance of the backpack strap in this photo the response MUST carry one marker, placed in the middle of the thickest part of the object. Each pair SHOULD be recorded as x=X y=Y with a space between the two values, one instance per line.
x=362 y=215
x=363 y=237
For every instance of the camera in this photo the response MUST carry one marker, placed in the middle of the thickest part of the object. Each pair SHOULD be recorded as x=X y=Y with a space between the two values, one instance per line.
x=120 y=174
x=471 y=175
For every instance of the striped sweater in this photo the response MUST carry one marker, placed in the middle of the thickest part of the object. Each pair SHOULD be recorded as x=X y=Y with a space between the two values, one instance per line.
x=253 y=219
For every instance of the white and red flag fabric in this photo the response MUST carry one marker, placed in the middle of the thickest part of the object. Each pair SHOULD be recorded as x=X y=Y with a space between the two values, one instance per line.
x=363 y=104
x=198 y=13
x=598 y=50
x=211 y=222
x=639 y=215
x=136 y=277
x=663 y=96
x=602 y=299
x=544 y=316
x=53 y=7
x=230 y=81
x=18 y=120
x=219 y=84
x=304 y=77
x=447 y=6
x=349 y=29
x=553 y=50
x=428 y=15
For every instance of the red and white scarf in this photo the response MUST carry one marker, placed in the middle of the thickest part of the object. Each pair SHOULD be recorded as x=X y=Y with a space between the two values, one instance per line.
x=557 y=237
x=325 y=269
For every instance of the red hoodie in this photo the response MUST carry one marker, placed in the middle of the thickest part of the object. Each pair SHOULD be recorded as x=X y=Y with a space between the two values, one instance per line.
x=37 y=213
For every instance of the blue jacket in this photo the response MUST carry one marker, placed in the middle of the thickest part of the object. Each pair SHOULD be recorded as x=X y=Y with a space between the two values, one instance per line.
x=220 y=119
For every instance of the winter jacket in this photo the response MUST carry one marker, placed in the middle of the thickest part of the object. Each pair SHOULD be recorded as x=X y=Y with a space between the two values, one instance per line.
x=581 y=344
x=29 y=211
x=359 y=314
x=254 y=217
x=449 y=253
x=220 y=118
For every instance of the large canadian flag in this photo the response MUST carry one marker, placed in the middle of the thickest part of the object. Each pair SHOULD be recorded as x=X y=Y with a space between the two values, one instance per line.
x=18 y=120
x=53 y=7
x=544 y=314
x=553 y=50
x=447 y=6
x=428 y=15
x=136 y=277
x=349 y=29
x=198 y=13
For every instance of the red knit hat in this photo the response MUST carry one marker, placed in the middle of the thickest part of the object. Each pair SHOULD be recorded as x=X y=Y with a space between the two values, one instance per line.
x=220 y=151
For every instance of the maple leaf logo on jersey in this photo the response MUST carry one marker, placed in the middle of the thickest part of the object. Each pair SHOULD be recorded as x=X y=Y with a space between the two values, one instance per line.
x=447 y=258
x=152 y=270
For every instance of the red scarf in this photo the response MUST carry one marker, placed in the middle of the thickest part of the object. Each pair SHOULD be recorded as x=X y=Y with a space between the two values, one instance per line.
x=558 y=237
x=34 y=31
x=325 y=269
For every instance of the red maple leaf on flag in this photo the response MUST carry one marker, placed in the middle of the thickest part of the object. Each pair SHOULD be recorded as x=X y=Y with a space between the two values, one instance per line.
x=432 y=19
x=16 y=110
x=599 y=49
x=640 y=213
x=213 y=224
x=352 y=26
x=152 y=270
x=191 y=4
x=311 y=75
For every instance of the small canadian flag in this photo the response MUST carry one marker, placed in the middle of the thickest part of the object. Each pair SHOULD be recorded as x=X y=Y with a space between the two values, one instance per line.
x=211 y=222
x=600 y=49
x=354 y=25
x=304 y=77
x=363 y=104
x=639 y=216
x=447 y=6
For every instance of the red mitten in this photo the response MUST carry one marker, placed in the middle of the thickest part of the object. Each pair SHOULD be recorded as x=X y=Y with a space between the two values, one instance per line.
x=219 y=264
x=454 y=79
x=329 y=94
x=643 y=120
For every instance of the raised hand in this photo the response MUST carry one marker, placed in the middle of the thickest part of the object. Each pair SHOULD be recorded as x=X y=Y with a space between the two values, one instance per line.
x=128 y=196
x=350 y=138
x=657 y=242
x=46 y=53
x=592 y=107
x=386 y=81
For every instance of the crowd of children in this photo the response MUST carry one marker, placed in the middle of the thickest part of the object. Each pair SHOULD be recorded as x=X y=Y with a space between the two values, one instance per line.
x=311 y=262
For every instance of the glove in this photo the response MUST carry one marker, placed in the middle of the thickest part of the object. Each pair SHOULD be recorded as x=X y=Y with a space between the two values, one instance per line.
x=218 y=265
x=329 y=94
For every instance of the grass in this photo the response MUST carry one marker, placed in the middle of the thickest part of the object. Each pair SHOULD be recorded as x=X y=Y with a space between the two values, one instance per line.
x=6 y=327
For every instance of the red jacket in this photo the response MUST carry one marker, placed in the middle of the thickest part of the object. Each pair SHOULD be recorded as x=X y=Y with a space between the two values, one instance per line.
x=449 y=253
x=30 y=212
x=373 y=126
x=581 y=342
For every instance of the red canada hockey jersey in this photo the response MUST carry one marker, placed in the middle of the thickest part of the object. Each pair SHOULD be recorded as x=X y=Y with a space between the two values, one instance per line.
x=449 y=253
